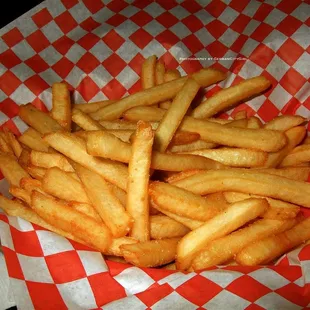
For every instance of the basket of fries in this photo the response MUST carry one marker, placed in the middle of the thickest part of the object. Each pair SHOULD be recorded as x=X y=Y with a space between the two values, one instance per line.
x=155 y=155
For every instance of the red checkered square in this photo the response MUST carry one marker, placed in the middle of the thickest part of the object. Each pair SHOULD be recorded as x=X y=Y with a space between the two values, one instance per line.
x=268 y=111
x=114 y=89
x=37 y=64
x=136 y=63
x=88 y=63
x=141 y=18
x=141 y=38
x=135 y=87
x=112 y=289
x=261 y=32
x=12 y=263
x=63 y=67
x=38 y=41
x=167 y=39
x=141 y=4
x=238 y=5
x=114 y=64
x=12 y=37
x=69 y=3
x=116 y=20
x=88 y=41
x=9 y=107
x=215 y=8
x=292 y=81
x=240 y=23
x=36 y=84
x=157 y=275
x=288 y=6
x=293 y=293
x=291 y=107
x=167 y=19
x=262 y=55
x=89 y=24
x=63 y=44
x=289 y=25
x=113 y=40
x=254 y=307
x=45 y=296
x=193 y=44
x=42 y=18
x=238 y=44
x=217 y=49
x=79 y=246
x=263 y=11
x=290 y=51
x=216 y=28
x=9 y=82
x=39 y=104
x=12 y=127
x=93 y=5
x=192 y=23
x=169 y=61
x=87 y=88
x=272 y=80
x=65 y=267
x=167 y=4
x=190 y=66
x=191 y=6
x=66 y=22
x=117 y=5
x=9 y=59
x=304 y=253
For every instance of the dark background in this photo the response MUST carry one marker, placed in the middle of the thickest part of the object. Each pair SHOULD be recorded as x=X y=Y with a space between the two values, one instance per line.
x=14 y=9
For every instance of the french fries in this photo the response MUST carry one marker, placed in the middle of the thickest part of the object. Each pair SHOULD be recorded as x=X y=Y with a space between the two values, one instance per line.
x=285 y=122
x=255 y=123
x=299 y=155
x=294 y=173
x=21 y=194
x=159 y=73
x=14 y=144
x=92 y=106
x=240 y=115
x=193 y=146
x=148 y=72
x=116 y=244
x=171 y=75
x=33 y=139
x=36 y=172
x=85 y=121
x=225 y=222
x=183 y=137
x=86 y=209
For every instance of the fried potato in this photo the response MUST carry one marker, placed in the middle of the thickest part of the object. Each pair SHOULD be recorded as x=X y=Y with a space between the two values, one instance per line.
x=30 y=184
x=14 y=144
x=193 y=146
x=123 y=124
x=255 y=123
x=122 y=134
x=182 y=175
x=92 y=106
x=240 y=115
x=184 y=137
x=84 y=121
x=159 y=73
x=284 y=122
x=24 y=158
x=4 y=144
x=171 y=75
x=86 y=209
x=299 y=155
x=115 y=247
x=36 y=172
x=21 y=194
x=148 y=72
x=33 y=139
x=145 y=113
x=294 y=173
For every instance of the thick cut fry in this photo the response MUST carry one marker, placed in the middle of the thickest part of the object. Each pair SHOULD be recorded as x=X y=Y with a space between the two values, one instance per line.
x=165 y=104
x=151 y=253
x=85 y=121
x=117 y=243
x=255 y=123
x=14 y=144
x=138 y=180
x=11 y=169
x=193 y=146
x=30 y=184
x=38 y=120
x=171 y=266
x=306 y=141
x=122 y=134
x=92 y=106
x=33 y=139
x=75 y=148
x=159 y=73
x=123 y=124
x=268 y=249
x=36 y=172
x=248 y=181
x=240 y=115
x=222 y=224
x=58 y=183
x=163 y=227
x=182 y=202
x=4 y=144
x=223 y=249
x=72 y=221
x=182 y=175
x=49 y=160
x=285 y=122
x=20 y=194
x=108 y=146
x=86 y=209
x=24 y=158
x=148 y=72
x=148 y=114
x=294 y=173
x=294 y=136
x=171 y=75
x=204 y=77
x=228 y=97
x=184 y=137
x=172 y=119
x=120 y=194
x=61 y=108
x=299 y=155
x=218 y=199
x=279 y=210
x=105 y=203
x=234 y=157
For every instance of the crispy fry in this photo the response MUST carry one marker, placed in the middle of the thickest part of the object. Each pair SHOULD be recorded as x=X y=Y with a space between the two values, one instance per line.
x=193 y=146
x=49 y=160
x=72 y=221
x=38 y=120
x=33 y=139
x=30 y=184
x=75 y=148
x=285 y=122
x=218 y=199
x=204 y=77
x=4 y=144
x=123 y=124
x=120 y=194
x=138 y=180
x=105 y=203
x=122 y=134
x=171 y=75
x=85 y=208
x=148 y=72
x=306 y=141
x=294 y=173
x=184 y=137
x=163 y=227
x=115 y=246
x=248 y=181
x=240 y=115
x=222 y=224
x=148 y=114
x=279 y=210
x=85 y=121
x=36 y=172
x=24 y=158
x=182 y=175
x=255 y=123
x=11 y=169
x=223 y=249
x=14 y=144
x=165 y=104
x=299 y=155
x=269 y=248
x=151 y=253
x=92 y=106
x=234 y=157
x=172 y=119
x=20 y=194
x=228 y=97
x=182 y=202
x=61 y=108
x=171 y=266
x=159 y=73
x=108 y=146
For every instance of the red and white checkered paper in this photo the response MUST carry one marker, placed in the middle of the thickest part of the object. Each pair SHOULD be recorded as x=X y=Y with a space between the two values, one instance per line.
x=97 y=47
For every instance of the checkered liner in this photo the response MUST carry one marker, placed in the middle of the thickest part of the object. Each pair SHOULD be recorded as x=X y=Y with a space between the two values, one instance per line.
x=97 y=47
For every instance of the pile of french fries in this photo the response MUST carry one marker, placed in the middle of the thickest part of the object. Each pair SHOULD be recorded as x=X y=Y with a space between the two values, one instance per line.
x=155 y=179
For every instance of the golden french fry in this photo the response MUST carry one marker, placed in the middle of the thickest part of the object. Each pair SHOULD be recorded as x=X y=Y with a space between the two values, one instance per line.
x=75 y=148
x=72 y=221
x=248 y=181
x=278 y=209
x=159 y=73
x=240 y=115
x=30 y=184
x=13 y=143
x=120 y=194
x=285 y=122
x=171 y=266
x=84 y=121
x=184 y=137
x=61 y=108
x=123 y=134
x=204 y=77
x=21 y=194
x=182 y=202
x=145 y=113
x=38 y=120
x=218 y=199
x=193 y=146
x=33 y=139
x=222 y=224
x=104 y=202
x=165 y=104
x=123 y=124
x=223 y=249
x=269 y=248
x=234 y=157
x=294 y=173
x=172 y=119
x=182 y=175
x=299 y=155
x=4 y=144
x=117 y=243
x=228 y=97
x=49 y=160
x=60 y=184
x=163 y=227
x=92 y=106
x=11 y=169
x=114 y=258
x=306 y=141
x=138 y=181
x=85 y=208
x=255 y=123
x=36 y=172
x=151 y=253
x=105 y=145
x=171 y=75
x=24 y=158
x=148 y=72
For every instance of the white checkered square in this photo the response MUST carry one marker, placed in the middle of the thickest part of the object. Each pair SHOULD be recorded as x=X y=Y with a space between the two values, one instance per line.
x=275 y=40
x=21 y=125
x=101 y=51
x=300 y=36
x=303 y=111
x=270 y=278
x=126 y=29
x=249 y=46
x=129 y=11
x=52 y=31
x=154 y=9
x=277 y=67
x=251 y=8
x=5 y=235
x=302 y=12
x=2 y=94
x=221 y=277
x=204 y=16
x=229 y=37
x=174 y=300
x=22 y=95
x=273 y=301
x=303 y=93
x=228 y=62
x=179 y=12
x=180 y=51
x=205 y=61
x=128 y=51
x=46 y=97
x=99 y=97
x=279 y=97
x=101 y=76
x=250 y=69
x=3 y=46
x=23 y=50
x=50 y=55
x=204 y=36
x=22 y=71
x=176 y=279
x=275 y=17
x=4 y=189
x=54 y=9
x=79 y=12
x=26 y=26
x=180 y=30
x=20 y=224
x=77 y=33
x=251 y=26
x=154 y=28
x=21 y=294
x=102 y=15
x=93 y=262
x=127 y=77
x=228 y=16
x=257 y=102
x=50 y=76
x=302 y=65
x=153 y=48
x=3 y=118
x=130 y=302
x=75 y=53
